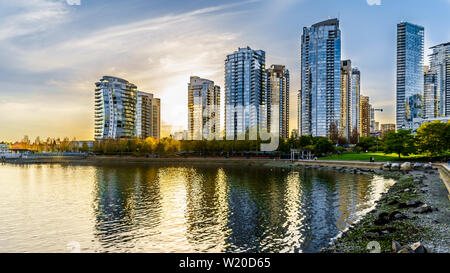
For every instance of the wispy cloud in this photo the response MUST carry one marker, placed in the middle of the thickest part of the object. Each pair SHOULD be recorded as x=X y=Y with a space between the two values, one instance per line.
x=157 y=54
x=373 y=2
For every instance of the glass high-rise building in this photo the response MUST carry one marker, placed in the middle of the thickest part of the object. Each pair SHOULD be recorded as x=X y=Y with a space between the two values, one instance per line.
x=123 y=112
x=115 y=108
x=365 y=116
x=244 y=92
x=204 y=109
x=277 y=99
x=410 y=46
x=430 y=94
x=156 y=118
x=144 y=115
x=346 y=98
x=321 y=78
x=440 y=64
x=355 y=99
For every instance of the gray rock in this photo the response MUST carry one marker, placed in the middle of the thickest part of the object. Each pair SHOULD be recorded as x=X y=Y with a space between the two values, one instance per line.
x=395 y=167
x=423 y=209
x=371 y=235
x=406 y=166
x=397 y=215
x=382 y=219
x=418 y=248
x=427 y=167
x=413 y=203
x=417 y=166
x=387 y=166
x=396 y=246
x=406 y=249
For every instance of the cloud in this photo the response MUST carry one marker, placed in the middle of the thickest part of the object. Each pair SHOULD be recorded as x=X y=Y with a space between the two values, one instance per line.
x=373 y=2
x=158 y=55
x=73 y=2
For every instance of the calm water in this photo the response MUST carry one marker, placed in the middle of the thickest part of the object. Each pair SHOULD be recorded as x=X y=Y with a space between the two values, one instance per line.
x=51 y=208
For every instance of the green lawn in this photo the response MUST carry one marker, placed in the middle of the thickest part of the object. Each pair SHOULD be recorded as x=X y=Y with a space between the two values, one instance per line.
x=380 y=156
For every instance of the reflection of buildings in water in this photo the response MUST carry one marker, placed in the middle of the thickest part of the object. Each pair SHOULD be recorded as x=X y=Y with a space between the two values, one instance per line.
x=125 y=197
x=257 y=218
x=206 y=209
x=351 y=196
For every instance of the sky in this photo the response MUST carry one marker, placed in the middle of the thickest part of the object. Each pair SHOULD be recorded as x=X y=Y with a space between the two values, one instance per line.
x=53 y=51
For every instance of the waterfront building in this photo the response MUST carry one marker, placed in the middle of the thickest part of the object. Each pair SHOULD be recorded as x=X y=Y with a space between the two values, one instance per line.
x=4 y=148
x=364 y=126
x=144 y=115
x=417 y=122
x=321 y=78
x=355 y=100
x=386 y=128
x=115 y=108
x=244 y=92
x=410 y=46
x=203 y=109
x=277 y=100
x=440 y=64
x=430 y=94
x=156 y=118
x=346 y=96
x=299 y=112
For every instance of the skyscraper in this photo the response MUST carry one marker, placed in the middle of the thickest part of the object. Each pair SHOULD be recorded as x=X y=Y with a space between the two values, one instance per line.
x=440 y=64
x=346 y=96
x=299 y=112
x=321 y=78
x=430 y=94
x=144 y=115
x=364 y=126
x=277 y=98
x=156 y=117
x=204 y=109
x=115 y=108
x=244 y=92
x=410 y=45
x=355 y=100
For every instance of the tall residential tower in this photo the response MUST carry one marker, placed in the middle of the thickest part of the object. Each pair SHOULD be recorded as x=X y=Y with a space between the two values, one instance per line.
x=410 y=45
x=321 y=78
x=115 y=108
x=277 y=100
x=204 y=109
x=244 y=92
x=440 y=64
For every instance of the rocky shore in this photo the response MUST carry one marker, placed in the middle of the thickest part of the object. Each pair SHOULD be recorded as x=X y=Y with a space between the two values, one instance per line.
x=412 y=217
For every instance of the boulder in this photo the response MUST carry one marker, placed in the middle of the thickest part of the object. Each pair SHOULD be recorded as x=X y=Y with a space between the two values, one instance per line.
x=406 y=249
x=423 y=209
x=387 y=166
x=413 y=203
x=396 y=246
x=418 y=248
x=396 y=215
x=417 y=166
x=395 y=167
x=405 y=166
x=427 y=167
x=382 y=219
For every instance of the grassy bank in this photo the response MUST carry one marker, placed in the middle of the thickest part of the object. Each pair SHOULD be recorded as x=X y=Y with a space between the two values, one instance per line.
x=394 y=219
x=378 y=156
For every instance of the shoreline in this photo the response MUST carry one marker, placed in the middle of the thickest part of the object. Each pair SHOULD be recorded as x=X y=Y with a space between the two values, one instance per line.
x=392 y=220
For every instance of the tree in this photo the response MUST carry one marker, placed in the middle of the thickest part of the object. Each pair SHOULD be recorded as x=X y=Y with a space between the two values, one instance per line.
x=334 y=133
x=323 y=146
x=433 y=138
x=365 y=143
x=401 y=143
x=354 y=136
